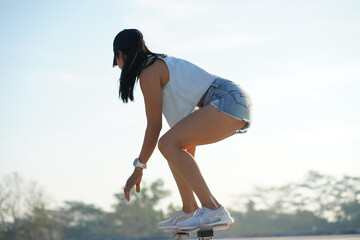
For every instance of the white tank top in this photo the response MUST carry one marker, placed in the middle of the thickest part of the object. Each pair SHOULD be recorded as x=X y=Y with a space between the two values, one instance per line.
x=187 y=84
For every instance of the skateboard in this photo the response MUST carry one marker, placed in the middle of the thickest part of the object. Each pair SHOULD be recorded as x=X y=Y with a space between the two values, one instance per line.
x=203 y=233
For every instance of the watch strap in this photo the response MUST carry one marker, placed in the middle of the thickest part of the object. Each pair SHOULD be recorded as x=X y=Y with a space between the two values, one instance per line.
x=137 y=163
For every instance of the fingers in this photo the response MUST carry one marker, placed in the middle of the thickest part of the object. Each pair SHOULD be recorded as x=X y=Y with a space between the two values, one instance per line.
x=132 y=181
x=127 y=189
x=127 y=192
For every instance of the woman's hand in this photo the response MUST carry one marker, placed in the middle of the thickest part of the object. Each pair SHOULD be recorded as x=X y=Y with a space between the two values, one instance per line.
x=133 y=180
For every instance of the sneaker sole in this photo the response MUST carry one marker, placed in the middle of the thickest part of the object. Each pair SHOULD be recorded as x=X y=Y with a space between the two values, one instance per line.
x=216 y=227
x=190 y=230
x=168 y=228
x=227 y=222
x=220 y=223
x=177 y=230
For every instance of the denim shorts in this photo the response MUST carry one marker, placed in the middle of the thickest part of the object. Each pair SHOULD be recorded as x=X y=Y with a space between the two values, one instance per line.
x=231 y=99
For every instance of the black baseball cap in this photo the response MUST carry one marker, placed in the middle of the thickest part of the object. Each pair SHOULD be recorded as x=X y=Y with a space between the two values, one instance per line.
x=124 y=40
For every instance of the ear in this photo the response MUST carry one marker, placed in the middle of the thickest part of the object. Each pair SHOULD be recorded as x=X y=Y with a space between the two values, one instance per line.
x=121 y=55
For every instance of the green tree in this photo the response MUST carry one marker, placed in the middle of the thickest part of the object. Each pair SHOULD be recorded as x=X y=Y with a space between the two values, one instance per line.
x=318 y=193
x=80 y=220
x=138 y=218
x=319 y=202
x=350 y=217
x=23 y=210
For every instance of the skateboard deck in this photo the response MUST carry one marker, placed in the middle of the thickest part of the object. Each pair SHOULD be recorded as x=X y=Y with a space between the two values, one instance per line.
x=215 y=227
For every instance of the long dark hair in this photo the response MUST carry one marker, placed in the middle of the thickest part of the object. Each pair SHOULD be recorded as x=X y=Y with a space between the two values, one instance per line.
x=136 y=56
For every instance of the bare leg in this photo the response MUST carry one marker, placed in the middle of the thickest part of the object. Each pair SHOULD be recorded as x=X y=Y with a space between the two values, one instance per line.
x=186 y=192
x=207 y=125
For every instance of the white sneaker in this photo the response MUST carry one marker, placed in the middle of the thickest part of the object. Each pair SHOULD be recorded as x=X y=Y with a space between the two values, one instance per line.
x=178 y=217
x=206 y=217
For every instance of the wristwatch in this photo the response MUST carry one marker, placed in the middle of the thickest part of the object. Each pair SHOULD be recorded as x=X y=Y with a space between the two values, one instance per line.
x=137 y=163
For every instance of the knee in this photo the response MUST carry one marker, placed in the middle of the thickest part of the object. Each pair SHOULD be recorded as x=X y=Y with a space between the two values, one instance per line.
x=167 y=145
x=163 y=145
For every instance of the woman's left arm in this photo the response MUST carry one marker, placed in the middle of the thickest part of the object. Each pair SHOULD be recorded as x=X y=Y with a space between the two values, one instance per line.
x=151 y=88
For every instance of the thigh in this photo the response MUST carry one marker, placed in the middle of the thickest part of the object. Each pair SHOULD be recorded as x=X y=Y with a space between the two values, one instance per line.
x=206 y=125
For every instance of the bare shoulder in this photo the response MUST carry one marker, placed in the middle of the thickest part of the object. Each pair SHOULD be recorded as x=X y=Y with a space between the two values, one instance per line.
x=157 y=72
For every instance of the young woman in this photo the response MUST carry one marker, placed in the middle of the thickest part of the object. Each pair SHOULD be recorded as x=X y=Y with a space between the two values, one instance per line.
x=200 y=108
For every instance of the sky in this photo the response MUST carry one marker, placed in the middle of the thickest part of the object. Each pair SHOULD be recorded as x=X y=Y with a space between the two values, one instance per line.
x=63 y=126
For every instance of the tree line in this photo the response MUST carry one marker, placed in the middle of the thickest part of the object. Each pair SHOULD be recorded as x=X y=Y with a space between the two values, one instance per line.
x=319 y=203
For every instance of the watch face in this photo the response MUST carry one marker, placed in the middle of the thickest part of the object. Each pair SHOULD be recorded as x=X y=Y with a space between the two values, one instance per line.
x=135 y=161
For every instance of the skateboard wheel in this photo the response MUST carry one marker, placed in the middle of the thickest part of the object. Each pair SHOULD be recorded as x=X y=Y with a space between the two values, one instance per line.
x=205 y=234
x=181 y=236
